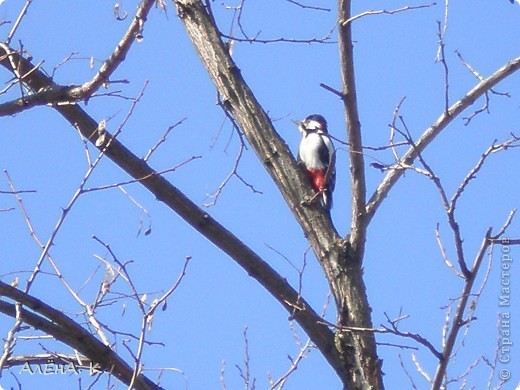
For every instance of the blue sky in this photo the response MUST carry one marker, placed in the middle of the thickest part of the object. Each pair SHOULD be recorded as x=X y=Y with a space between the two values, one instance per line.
x=204 y=323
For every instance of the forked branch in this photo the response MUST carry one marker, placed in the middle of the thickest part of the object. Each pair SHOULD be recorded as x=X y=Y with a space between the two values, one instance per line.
x=434 y=130
x=172 y=197
x=53 y=322
x=53 y=93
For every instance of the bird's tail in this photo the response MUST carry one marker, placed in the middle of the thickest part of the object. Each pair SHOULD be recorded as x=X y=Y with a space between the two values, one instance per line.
x=326 y=199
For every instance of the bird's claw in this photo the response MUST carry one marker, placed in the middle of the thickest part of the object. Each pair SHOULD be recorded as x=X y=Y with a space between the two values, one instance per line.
x=309 y=200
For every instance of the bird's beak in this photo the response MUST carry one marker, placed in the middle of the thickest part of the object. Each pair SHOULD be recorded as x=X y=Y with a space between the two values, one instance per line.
x=301 y=126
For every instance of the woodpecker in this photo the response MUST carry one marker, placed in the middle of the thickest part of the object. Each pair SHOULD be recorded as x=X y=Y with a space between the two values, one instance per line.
x=317 y=155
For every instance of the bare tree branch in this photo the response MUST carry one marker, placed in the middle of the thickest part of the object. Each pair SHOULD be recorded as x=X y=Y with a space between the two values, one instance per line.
x=10 y=340
x=163 y=139
x=384 y=12
x=458 y=321
x=343 y=273
x=196 y=217
x=394 y=329
x=308 y=6
x=53 y=93
x=64 y=329
x=237 y=21
x=444 y=255
x=326 y=39
x=357 y=168
x=451 y=205
x=234 y=172
x=412 y=383
x=434 y=130
x=349 y=344
x=354 y=309
x=441 y=57
x=245 y=373
x=133 y=33
x=303 y=352
x=16 y=24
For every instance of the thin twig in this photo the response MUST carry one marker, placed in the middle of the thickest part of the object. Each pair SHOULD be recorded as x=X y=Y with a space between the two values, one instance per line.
x=143 y=210
x=141 y=179
x=233 y=172
x=393 y=127
x=134 y=32
x=479 y=77
x=419 y=369
x=444 y=255
x=63 y=62
x=435 y=129
x=308 y=6
x=458 y=321
x=303 y=352
x=17 y=191
x=391 y=329
x=385 y=12
x=442 y=59
x=163 y=138
x=10 y=340
x=88 y=309
x=443 y=31
x=326 y=39
x=493 y=148
x=245 y=374
x=16 y=24
x=412 y=383
x=54 y=322
x=333 y=90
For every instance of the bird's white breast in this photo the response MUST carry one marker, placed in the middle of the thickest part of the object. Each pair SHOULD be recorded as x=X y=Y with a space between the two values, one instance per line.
x=308 y=150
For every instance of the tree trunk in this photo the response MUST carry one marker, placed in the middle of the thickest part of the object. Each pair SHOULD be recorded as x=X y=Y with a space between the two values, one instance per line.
x=354 y=356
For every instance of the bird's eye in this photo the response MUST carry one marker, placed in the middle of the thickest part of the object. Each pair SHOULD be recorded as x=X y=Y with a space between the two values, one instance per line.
x=313 y=125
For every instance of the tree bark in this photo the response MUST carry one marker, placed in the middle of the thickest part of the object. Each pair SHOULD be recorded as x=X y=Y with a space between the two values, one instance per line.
x=359 y=366
x=172 y=197
x=53 y=322
x=351 y=354
x=354 y=311
x=351 y=349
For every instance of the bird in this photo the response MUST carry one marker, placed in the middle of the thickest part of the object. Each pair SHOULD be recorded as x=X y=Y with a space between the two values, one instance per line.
x=317 y=155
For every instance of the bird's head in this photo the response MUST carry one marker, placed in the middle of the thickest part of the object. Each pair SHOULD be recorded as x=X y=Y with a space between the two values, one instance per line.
x=314 y=123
